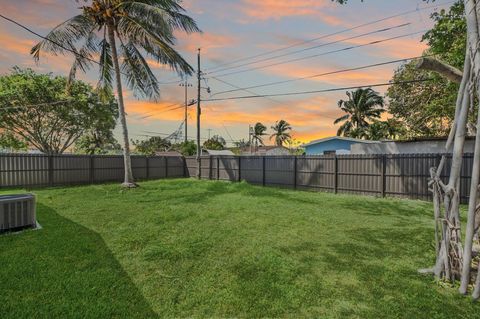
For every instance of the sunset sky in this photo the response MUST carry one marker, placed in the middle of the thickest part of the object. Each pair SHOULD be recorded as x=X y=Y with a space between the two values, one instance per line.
x=238 y=29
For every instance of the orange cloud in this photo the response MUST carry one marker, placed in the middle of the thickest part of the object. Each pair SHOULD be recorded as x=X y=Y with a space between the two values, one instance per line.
x=207 y=41
x=278 y=9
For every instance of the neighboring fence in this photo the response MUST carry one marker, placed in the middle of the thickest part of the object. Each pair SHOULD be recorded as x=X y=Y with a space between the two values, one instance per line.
x=381 y=175
x=26 y=170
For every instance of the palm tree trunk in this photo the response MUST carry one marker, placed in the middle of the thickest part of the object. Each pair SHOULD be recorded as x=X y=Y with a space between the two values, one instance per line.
x=128 y=179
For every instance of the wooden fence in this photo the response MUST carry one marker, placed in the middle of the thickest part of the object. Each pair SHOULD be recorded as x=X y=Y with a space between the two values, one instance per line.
x=26 y=170
x=379 y=175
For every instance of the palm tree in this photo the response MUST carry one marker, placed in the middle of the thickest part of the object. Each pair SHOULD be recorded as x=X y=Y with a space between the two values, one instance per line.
x=362 y=107
x=141 y=27
x=281 y=132
x=258 y=133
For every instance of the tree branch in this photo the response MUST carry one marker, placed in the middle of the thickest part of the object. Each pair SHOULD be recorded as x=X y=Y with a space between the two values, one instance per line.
x=447 y=71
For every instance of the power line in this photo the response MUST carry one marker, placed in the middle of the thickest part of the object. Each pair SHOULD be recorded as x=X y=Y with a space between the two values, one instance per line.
x=77 y=54
x=333 y=34
x=321 y=54
x=317 y=91
x=320 y=74
x=314 y=47
x=251 y=92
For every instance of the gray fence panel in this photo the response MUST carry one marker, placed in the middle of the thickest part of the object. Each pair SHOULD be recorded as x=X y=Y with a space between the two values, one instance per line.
x=27 y=170
x=229 y=168
x=316 y=172
x=252 y=169
x=71 y=169
x=359 y=174
x=279 y=171
x=157 y=167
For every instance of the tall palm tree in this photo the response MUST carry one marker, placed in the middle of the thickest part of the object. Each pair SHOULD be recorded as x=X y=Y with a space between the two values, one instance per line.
x=281 y=133
x=258 y=132
x=141 y=27
x=362 y=107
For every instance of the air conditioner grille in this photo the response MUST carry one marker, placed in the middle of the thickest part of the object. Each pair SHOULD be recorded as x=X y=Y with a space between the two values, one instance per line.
x=17 y=212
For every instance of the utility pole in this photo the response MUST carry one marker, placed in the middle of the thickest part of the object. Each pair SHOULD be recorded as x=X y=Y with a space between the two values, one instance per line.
x=250 y=138
x=199 y=112
x=186 y=85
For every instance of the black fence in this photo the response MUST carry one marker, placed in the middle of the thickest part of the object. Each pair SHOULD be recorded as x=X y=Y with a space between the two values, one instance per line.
x=379 y=175
x=26 y=170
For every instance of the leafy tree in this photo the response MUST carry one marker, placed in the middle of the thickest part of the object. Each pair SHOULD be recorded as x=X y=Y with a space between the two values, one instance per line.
x=152 y=145
x=281 y=133
x=10 y=142
x=380 y=130
x=216 y=143
x=428 y=108
x=448 y=37
x=98 y=142
x=258 y=132
x=36 y=109
x=425 y=108
x=119 y=32
x=362 y=107
x=187 y=148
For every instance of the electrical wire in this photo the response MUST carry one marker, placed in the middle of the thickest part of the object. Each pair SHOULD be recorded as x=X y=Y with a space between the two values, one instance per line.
x=314 y=47
x=322 y=54
x=320 y=74
x=417 y=9
x=318 y=91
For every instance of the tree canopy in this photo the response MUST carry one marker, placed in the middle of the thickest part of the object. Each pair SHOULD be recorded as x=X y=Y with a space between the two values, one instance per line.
x=152 y=145
x=37 y=110
x=216 y=143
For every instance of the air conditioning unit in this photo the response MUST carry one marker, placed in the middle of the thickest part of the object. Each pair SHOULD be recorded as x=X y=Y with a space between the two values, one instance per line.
x=17 y=212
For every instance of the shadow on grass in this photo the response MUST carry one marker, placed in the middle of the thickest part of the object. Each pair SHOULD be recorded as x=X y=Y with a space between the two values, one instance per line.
x=64 y=271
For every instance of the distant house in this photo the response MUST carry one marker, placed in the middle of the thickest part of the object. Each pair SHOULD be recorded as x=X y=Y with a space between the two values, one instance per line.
x=218 y=153
x=333 y=145
x=412 y=146
x=266 y=151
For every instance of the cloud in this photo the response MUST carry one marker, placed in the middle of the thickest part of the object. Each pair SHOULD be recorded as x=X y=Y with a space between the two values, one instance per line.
x=278 y=9
x=209 y=42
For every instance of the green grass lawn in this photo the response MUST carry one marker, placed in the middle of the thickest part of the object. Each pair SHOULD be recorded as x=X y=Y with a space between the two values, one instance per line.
x=186 y=248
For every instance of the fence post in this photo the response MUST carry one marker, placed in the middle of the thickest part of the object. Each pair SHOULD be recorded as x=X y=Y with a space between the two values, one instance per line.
x=147 y=158
x=210 y=167
x=384 y=175
x=295 y=172
x=218 y=168
x=185 y=168
x=92 y=169
x=50 y=170
x=239 y=168
x=335 y=177
x=263 y=170
x=166 y=166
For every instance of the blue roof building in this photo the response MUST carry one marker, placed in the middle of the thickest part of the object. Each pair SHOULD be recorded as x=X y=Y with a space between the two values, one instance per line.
x=333 y=145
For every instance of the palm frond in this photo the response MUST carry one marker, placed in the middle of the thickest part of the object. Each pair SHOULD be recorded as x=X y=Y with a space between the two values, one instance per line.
x=64 y=36
x=139 y=34
x=341 y=119
x=140 y=77
x=162 y=15
x=105 y=81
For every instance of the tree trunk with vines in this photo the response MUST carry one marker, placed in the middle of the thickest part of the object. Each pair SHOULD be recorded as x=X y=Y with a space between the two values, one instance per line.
x=455 y=258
